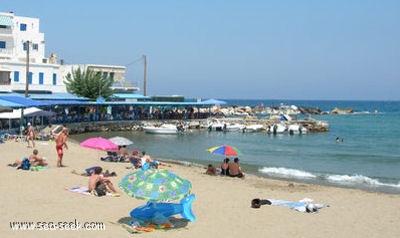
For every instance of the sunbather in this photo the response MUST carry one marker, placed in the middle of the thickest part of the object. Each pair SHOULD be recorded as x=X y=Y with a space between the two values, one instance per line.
x=100 y=185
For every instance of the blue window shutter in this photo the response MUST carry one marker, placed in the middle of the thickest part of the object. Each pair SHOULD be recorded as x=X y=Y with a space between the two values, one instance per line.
x=30 y=77
x=41 y=76
x=16 y=76
x=22 y=27
x=2 y=44
x=54 y=79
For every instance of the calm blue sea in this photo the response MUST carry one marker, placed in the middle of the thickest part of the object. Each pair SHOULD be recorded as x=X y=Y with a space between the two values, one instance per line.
x=368 y=158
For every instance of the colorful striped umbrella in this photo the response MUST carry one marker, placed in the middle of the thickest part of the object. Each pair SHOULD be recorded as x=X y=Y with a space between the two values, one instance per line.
x=225 y=150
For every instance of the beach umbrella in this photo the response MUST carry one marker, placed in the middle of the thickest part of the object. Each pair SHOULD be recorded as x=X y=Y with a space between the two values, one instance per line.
x=225 y=150
x=155 y=185
x=99 y=143
x=118 y=140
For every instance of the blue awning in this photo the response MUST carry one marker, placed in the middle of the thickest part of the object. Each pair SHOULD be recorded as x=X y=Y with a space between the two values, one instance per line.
x=57 y=96
x=22 y=102
x=64 y=102
x=130 y=96
x=6 y=21
x=10 y=104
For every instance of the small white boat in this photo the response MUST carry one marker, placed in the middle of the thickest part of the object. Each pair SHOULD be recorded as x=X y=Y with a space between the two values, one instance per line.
x=215 y=125
x=164 y=129
x=233 y=127
x=296 y=129
x=277 y=128
x=253 y=128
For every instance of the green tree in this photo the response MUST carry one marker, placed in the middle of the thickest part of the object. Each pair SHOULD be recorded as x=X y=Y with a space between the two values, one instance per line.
x=88 y=83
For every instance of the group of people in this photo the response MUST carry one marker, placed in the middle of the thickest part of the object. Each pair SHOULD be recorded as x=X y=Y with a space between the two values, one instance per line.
x=143 y=161
x=34 y=158
x=99 y=185
x=232 y=169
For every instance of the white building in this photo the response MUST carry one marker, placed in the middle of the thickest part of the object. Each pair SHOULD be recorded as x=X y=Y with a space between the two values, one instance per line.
x=44 y=74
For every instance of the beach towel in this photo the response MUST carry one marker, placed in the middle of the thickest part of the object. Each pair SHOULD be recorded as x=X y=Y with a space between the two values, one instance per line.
x=80 y=190
x=303 y=205
x=84 y=190
x=38 y=167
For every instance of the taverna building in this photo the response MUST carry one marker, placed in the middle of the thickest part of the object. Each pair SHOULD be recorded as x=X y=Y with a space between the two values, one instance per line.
x=24 y=64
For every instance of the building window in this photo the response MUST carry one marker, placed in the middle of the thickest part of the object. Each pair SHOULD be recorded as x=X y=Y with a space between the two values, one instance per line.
x=30 y=77
x=35 y=46
x=112 y=75
x=2 y=44
x=41 y=76
x=22 y=27
x=105 y=74
x=16 y=76
x=25 y=46
x=54 y=79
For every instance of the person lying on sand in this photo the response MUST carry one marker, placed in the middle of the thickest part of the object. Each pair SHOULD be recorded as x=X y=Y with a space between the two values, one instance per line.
x=34 y=160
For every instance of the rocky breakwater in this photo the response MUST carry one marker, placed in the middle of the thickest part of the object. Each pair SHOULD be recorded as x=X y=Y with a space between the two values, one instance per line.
x=244 y=115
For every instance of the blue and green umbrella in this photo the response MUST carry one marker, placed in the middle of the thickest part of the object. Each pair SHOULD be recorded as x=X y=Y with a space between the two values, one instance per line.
x=155 y=185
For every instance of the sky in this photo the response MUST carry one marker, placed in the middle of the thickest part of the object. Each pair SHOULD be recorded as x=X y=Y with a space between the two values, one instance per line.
x=232 y=49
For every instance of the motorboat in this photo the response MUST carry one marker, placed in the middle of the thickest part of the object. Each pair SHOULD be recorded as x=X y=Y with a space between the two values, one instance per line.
x=277 y=128
x=233 y=127
x=164 y=129
x=215 y=125
x=296 y=129
x=253 y=128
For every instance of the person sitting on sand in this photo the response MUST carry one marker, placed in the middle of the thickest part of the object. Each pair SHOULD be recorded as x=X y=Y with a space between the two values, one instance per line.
x=211 y=170
x=147 y=159
x=99 y=185
x=135 y=160
x=36 y=160
x=235 y=170
x=225 y=167
x=123 y=153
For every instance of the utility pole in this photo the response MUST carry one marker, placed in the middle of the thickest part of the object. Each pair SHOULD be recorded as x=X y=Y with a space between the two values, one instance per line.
x=144 y=75
x=27 y=69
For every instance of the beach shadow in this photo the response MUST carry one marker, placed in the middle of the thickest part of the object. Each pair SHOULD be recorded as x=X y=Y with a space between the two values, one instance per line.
x=177 y=222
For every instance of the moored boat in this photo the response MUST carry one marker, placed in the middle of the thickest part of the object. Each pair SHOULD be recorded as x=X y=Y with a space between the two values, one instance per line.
x=164 y=129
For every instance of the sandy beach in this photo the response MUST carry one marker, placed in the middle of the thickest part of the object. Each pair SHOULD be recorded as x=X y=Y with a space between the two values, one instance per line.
x=222 y=204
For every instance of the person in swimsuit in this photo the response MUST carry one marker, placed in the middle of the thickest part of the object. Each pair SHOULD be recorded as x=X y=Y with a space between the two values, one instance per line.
x=99 y=184
x=30 y=135
x=61 y=142
x=235 y=170
x=225 y=167
x=35 y=159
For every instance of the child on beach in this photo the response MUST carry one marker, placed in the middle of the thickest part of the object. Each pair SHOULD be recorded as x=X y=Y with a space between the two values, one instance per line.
x=211 y=170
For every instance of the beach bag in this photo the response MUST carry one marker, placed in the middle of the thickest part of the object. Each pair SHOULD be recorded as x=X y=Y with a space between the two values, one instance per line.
x=25 y=165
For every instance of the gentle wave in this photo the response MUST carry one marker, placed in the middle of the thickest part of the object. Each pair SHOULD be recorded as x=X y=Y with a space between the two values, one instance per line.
x=287 y=173
x=358 y=180
x=349 y=180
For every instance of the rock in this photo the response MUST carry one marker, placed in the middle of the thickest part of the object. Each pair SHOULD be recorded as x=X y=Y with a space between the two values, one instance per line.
x=341 y=111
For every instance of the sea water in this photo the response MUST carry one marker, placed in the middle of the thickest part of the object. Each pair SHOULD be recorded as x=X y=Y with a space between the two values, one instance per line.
x=368 y=158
